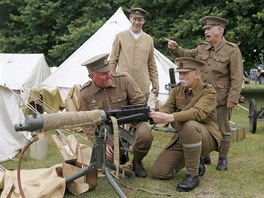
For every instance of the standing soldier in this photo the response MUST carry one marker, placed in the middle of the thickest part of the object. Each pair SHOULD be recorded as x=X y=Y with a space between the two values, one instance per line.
x=133 y=52
x=224 y=70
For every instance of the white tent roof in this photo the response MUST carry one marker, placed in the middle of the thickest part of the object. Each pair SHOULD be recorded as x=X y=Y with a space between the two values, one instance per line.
x=18 y=74
x=23 y=70
x=71 y=72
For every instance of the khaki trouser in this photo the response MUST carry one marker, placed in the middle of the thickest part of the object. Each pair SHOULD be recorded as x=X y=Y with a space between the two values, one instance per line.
x=172 y=158
x=223 y=118
x=143 y=137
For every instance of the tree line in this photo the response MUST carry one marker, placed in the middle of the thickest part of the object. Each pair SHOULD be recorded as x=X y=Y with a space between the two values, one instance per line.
x=58 y=28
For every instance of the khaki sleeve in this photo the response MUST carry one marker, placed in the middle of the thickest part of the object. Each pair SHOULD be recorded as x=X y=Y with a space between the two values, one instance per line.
x=152 y=67
x=115 y=54
x=236 y=75
x=135 y=95
x=72 y=102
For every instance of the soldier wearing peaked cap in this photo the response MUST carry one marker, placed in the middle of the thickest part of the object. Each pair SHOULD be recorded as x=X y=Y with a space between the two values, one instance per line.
x=107 y=91
x=191 y=108
x=133 y=52
x=210 y=21
x=98 y=63
x=138 y=12
x=223 y=69
x=186 y=64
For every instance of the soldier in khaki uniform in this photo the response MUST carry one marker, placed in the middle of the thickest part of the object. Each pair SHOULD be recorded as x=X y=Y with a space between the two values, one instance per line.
x=191 y=108
x=224 y=70
x=133 y=52
x=107 y=91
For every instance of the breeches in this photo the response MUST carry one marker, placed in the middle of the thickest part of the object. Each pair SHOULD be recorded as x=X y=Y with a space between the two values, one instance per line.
x=143 y=137
x=172 y=158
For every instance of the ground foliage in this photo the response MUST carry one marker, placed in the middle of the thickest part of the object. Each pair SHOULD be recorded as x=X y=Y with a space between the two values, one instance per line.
x=244 y=177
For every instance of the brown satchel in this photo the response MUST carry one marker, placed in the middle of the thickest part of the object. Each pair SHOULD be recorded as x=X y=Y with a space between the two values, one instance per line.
x=76 y=156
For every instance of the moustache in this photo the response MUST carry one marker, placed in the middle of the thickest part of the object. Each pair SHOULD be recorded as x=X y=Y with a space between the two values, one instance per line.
x=183 y=81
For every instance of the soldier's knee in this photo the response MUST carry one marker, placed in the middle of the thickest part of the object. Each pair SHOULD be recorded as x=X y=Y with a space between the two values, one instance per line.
x=157 y=173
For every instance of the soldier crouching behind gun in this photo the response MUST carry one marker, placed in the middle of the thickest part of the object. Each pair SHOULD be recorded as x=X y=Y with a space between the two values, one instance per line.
x=191 y=108
x=107 y=92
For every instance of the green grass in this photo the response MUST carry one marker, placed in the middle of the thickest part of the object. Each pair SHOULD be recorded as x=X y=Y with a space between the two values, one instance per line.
x=244 y=178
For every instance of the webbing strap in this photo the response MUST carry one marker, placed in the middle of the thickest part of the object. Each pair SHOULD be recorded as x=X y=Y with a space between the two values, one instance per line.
x=116 y=143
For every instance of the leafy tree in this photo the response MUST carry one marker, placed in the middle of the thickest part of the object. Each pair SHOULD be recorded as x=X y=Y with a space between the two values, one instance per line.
x=58 y=28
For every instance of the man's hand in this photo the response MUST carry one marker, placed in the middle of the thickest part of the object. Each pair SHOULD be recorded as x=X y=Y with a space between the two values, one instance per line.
x=230 y=105
x=155 y=91
x=109 y=152
x=159 y=117
x=172 y=45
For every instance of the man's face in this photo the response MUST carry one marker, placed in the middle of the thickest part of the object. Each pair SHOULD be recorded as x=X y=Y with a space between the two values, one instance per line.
x=102 y=79
x=189 y=79
x=212 y=34
x=136 y=23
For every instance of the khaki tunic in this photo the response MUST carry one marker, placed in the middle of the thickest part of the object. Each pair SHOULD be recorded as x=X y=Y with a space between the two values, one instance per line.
x=223 y=68
x=195 y=121
x=136 y=57
x=200 y=107
x=123 y=91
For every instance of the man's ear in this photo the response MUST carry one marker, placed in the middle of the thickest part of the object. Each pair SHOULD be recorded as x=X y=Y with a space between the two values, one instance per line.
x=197 y=73
x=91 y=75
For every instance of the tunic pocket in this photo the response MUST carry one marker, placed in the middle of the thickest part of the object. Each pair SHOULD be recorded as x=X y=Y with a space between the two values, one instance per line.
x=180 y=103
x=96 y=105
x=220 y=64
x=202 y=57
x=119 y=98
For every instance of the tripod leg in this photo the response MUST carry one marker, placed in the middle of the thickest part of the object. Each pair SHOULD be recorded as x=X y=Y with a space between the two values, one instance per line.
x=114 y=184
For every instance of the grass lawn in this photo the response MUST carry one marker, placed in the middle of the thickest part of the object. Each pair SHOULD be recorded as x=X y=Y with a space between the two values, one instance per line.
x=244 y=178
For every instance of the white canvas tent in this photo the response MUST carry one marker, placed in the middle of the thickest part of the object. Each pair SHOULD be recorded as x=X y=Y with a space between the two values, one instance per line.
x=71 y=72
x=18 y=74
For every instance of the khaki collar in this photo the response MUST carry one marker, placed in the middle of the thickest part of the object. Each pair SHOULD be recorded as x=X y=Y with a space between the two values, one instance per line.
x=217 y=46
x=97 y=88
x=198 y=87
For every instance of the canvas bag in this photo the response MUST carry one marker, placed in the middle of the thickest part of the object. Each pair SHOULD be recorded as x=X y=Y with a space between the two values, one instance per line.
x=84 y=183
x=37 y=183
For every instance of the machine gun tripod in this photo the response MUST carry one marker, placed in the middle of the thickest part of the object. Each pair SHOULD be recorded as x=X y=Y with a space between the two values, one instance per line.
x=100 y=118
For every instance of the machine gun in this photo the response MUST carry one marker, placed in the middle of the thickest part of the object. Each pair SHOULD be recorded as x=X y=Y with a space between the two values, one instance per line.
x=99 y=118
x=129 y=114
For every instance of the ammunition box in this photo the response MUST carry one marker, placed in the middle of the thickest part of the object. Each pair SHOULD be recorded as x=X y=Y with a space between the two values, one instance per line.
x=238 y=133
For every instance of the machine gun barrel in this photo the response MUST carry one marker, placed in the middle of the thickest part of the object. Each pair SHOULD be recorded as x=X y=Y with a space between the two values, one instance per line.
x=61 y=120
x=127 y=114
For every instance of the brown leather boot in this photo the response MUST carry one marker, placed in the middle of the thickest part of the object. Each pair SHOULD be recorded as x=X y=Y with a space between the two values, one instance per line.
x=137 y=164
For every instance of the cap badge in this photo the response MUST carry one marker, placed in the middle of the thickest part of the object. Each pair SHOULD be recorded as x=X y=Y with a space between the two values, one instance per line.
x=106 y=62
x=180 y=64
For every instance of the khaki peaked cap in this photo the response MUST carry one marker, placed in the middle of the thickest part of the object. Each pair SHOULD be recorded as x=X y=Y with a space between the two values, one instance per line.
x=98 y=63
x=210 y=21
x=186 y=64
x=138 y=12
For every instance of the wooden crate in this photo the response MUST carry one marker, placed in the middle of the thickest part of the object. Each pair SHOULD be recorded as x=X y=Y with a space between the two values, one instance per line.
x=238 y=133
